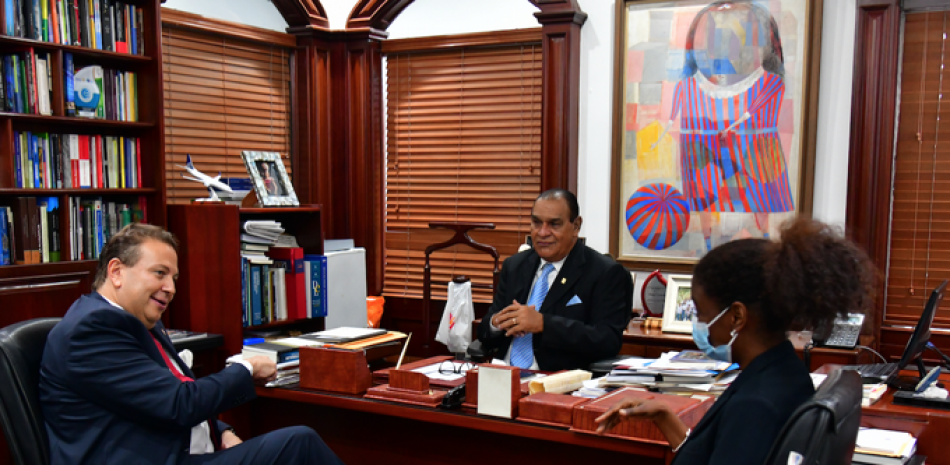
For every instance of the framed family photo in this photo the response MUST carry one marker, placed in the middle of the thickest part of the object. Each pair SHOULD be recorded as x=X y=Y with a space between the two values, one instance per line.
x=270 y=180
x=715 y=108
x=679 y=309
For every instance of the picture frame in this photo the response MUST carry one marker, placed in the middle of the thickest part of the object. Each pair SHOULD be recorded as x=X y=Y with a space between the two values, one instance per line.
x=679 y=308
x=685 y=179
x=270 y=180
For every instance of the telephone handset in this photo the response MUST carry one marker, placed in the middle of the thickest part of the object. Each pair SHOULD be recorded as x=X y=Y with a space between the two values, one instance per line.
x=845 y=332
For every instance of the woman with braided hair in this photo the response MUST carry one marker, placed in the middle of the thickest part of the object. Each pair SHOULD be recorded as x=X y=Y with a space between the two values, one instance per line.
x=748 y=294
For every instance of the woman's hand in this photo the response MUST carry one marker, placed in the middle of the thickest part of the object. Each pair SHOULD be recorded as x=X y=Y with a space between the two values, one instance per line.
x=650 y=409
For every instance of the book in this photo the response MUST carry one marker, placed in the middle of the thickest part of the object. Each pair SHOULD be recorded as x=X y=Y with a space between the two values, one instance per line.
x=885 y=447
x=279 y=353
x=345 y=334
x=4 y=238
x=296 y=286
x=317 y=285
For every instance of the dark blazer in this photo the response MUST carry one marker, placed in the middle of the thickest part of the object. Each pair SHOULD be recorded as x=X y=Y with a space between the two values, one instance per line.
x=742 y=425
x=575 y=335
x=108 y=397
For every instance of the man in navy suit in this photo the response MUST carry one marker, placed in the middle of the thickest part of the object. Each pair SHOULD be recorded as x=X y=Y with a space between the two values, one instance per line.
x=113 y=390
x=560 y=305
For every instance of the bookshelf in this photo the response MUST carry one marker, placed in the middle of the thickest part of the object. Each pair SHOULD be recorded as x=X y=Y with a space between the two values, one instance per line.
x=209 y=260
x=27 y=288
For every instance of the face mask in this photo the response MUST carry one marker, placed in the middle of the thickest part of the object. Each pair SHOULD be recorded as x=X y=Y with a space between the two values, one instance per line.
x=701 y=337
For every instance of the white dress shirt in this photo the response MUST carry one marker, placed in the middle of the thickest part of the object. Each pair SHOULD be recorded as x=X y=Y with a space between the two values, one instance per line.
x=537 y=274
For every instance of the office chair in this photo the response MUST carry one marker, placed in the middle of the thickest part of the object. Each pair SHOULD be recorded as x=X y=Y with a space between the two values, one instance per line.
x=21 y=349
x=824 y=429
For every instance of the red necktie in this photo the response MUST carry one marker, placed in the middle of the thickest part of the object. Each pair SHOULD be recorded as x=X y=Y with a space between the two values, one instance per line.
x=175 y=371
x=181 y=376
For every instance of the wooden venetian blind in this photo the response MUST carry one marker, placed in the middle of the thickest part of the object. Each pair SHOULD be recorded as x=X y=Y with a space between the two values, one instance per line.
x=463 y=144
x=920 y=225
x=223 y=95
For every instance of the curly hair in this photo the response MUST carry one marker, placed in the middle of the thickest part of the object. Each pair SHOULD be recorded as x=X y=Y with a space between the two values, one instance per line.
x=808 y=278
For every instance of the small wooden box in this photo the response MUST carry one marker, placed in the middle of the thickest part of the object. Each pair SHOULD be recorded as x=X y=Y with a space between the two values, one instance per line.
x=334 y=370
x=549 y=409
x=689 y=410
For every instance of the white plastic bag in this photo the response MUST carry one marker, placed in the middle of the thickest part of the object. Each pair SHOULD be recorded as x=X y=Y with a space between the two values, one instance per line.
x=455 y=329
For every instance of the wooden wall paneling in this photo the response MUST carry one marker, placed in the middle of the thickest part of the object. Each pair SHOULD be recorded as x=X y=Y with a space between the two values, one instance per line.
x=27 y=296
x=303 y=13
x=873 y=105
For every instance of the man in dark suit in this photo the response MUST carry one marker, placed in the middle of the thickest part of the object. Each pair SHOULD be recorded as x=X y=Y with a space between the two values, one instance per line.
x=560 y=305
x=113 y=390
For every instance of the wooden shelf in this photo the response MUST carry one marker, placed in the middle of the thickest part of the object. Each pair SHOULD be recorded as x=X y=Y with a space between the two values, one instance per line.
x=46 y=269
x=75 y=121
x=11 y=44
x=53 y=192
x=278 y=324
x=273 y=210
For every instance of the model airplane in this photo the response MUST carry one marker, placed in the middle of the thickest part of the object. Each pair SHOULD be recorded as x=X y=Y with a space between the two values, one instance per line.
x=208 y=181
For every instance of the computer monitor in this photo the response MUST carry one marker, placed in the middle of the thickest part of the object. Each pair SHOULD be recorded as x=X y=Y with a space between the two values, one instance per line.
x=918 y=341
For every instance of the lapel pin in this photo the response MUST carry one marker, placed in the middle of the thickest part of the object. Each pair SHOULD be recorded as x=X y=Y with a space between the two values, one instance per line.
x=563 y=280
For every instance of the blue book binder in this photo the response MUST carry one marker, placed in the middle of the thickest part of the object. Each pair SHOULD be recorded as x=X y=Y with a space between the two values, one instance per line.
x=17 y=160
x=70 y=71
x=244 y=298
x=317 y=287
x=256 y=294
x=4 y=238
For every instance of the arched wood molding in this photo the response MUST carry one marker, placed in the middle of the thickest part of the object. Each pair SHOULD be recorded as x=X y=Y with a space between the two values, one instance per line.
x=303 y=13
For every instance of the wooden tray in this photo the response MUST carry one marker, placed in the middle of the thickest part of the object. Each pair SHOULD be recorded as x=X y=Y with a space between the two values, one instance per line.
x=549 y=409
x=688 y=409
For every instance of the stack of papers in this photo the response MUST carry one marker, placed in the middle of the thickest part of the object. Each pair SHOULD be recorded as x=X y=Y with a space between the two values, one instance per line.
x=673 y=375
x=883 y=447
x=258 y=236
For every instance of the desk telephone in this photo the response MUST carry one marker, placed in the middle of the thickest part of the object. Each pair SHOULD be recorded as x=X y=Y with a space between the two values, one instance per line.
x=844 y=334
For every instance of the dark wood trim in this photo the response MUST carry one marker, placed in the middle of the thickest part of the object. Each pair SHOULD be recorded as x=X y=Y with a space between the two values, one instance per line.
x=809 y=131
x=515 y=36
x=870 y=159
x=185 y=20
x=301 y=13
x=375 y=14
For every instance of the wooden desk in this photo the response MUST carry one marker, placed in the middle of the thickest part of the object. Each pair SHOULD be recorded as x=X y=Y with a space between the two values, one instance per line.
x=931 y=427
x=651 y=343
x=364 y=431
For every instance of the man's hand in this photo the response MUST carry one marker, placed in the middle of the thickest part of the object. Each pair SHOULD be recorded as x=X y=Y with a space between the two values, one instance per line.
x=229 y=439
x=264 y=368
x=518 y=320
x=656 y=411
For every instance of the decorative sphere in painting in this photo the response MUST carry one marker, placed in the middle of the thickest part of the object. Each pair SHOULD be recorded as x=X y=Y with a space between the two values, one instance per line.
x=657 y=216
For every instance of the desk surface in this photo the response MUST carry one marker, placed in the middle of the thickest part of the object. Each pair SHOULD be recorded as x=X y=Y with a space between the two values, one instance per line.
x=424 y=435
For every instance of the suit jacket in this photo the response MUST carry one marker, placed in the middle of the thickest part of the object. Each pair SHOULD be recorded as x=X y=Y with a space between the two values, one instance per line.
x=742 y=425
x=575 y=335
x=108 y=396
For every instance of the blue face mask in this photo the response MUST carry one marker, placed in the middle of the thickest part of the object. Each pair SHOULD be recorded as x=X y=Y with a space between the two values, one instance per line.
x=701 y=337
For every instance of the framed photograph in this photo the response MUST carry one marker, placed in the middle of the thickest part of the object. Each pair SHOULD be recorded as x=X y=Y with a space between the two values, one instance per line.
x=271 y=183
x=679 y=309
x=714 y=124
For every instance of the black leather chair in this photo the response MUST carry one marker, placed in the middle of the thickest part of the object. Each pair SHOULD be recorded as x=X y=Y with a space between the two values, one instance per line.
x=824 y=429
x=21 y=349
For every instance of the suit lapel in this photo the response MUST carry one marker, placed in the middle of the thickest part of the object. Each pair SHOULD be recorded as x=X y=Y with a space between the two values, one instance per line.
x=525 y=276
x=573 y=268
x=170 y=350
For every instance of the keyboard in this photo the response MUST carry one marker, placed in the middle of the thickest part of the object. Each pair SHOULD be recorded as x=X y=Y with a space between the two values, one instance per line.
x=878 y=372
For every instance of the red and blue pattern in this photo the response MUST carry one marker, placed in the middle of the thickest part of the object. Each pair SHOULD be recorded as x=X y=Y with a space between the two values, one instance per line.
x=657 y=216
x=742 y=170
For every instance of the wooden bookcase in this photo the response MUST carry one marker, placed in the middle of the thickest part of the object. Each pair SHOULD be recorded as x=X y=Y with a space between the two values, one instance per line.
x=30 y=291
x=209 y=260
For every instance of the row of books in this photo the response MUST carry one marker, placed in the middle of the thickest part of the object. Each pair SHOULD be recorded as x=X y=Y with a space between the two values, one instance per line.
x=58 y=161
x=291 y=287
x=89 y=92
x=31 y=228
x=100 y=24
x=27 y=83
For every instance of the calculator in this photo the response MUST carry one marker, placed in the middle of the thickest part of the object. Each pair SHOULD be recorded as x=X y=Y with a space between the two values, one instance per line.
x=845 y=332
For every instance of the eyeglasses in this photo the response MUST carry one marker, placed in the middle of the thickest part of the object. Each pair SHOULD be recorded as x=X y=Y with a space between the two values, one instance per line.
x=449 y=367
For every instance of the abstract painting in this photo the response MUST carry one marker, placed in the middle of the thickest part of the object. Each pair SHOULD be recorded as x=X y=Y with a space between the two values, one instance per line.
x=710 y=118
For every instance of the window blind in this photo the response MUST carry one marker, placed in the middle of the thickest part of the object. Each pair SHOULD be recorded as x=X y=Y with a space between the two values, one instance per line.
x=463 y=144
x=920 y=226
x=222 y=96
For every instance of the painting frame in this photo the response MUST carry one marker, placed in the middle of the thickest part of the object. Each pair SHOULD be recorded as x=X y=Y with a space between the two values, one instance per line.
x=273 y=187
x=678 y=286
x=805 y=120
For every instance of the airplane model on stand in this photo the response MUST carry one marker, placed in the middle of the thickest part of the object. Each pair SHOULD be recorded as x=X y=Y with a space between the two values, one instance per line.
x=208 y=181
